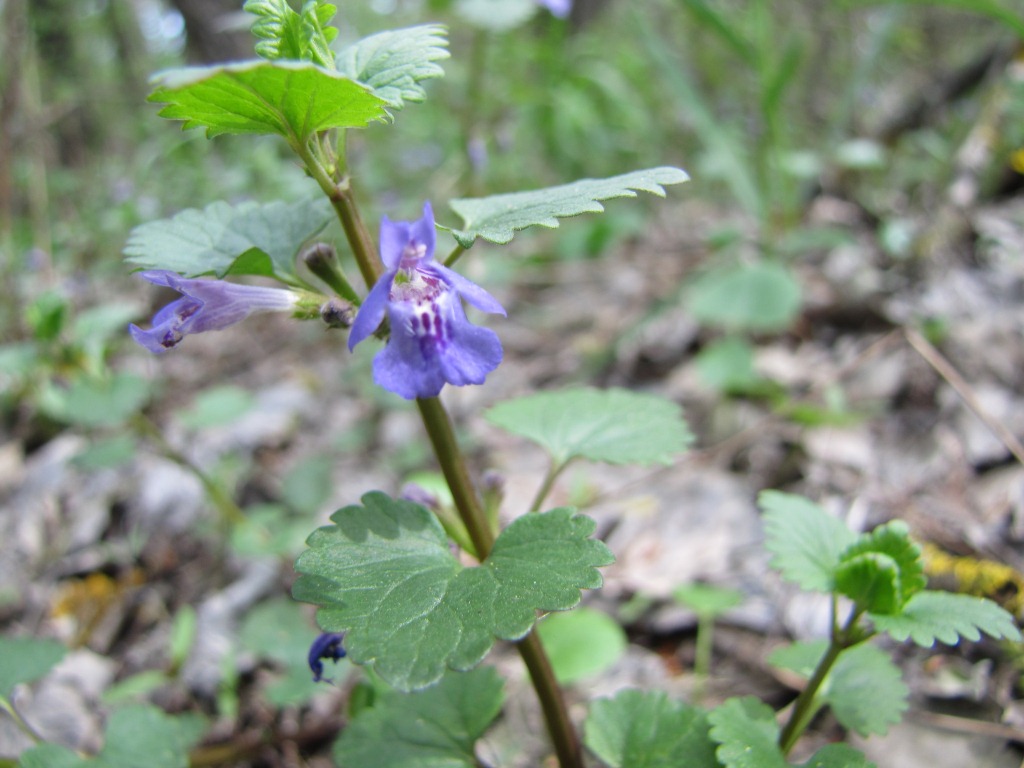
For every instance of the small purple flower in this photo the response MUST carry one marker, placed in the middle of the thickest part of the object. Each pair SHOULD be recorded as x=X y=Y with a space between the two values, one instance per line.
x=205 y=305
x=559 y=8
x=327 y=646
x=432 y=342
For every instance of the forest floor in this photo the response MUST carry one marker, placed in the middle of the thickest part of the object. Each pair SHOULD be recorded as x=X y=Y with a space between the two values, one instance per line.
x=105 y=559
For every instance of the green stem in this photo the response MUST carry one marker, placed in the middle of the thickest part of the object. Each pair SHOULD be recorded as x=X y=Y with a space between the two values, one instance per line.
x=806 y=704
x=23 y=726
x=556 y=714
x=226 y=506
x=554 y=470
x=344 y=204
x=454 y=256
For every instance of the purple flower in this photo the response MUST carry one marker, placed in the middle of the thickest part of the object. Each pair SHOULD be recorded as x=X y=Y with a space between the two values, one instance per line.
x=432 y=342
x=205 y=305
x=559 y=8
x=327 y=646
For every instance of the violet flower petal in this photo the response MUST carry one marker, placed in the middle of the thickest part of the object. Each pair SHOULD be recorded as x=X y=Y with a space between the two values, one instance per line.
x=371 y=313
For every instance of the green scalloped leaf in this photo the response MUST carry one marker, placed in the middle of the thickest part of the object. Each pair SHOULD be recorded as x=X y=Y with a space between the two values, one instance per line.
x=645 y=729
x=293 y=99
x=433 y=728
x=384 y=574
x=221 y=239
x=611 y=425
x=882 y=569
x=748 y=734
x=864 y=689
x=929 y=616
x=24 y=659
x=499 y=217
x=394 y=63
x=285 y=34
x=805 y=540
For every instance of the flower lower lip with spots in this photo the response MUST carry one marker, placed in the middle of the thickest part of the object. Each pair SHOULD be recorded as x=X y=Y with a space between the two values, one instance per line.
x=432 y=342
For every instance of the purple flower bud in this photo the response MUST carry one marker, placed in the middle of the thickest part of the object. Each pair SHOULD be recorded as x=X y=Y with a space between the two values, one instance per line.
x=417 y=494
x=327 y=646
x=432 y=342
x=205 y=305
x=559 y=8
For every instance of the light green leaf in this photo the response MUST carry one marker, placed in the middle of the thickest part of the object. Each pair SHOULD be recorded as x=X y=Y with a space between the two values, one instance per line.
x=728 y=365
x=90 y=402
x=292 y=99
x=217 y=407
x=747 y=734
x=434 y=728
x=929 y=616
x=761 y=297
x=611 y=425
x=146 y=730
x=882 y=569
x=805 y=540
x=864 y=689
x=24 y=659
x=581 y=643
x=497 y=218
x=285 y=34
x=838 y=756
x=384 y=574
x=496 y=15
x=645 y=729
x=707 y=600
x=214 y=239
x=394 y=63
x=53 y=756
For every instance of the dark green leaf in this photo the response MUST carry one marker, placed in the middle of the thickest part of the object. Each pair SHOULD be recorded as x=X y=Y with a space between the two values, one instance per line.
x=929 y=616
x=220 y=238
x=497 y=218
x=434 y=728
x=24 y=659
x=882 y=569
x=805 y=540
x=292 y=99
x=644 y=729
x=581 y=643
x=385 y=574
x=612 y=425
x=838 y=756
x=394 y=63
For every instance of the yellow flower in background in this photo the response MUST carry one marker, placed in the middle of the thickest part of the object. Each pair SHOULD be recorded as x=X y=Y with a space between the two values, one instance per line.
x=1017 y=160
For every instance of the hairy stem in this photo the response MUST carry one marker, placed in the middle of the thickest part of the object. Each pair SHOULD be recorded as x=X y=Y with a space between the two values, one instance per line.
x=556 y=714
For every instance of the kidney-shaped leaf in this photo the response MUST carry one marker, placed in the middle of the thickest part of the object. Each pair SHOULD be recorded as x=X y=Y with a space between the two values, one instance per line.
x=497 y=218
x=384 y=574
x=290 y=98
x=612 y=425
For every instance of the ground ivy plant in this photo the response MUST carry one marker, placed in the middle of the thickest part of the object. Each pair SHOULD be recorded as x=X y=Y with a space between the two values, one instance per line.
x=393 y=593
